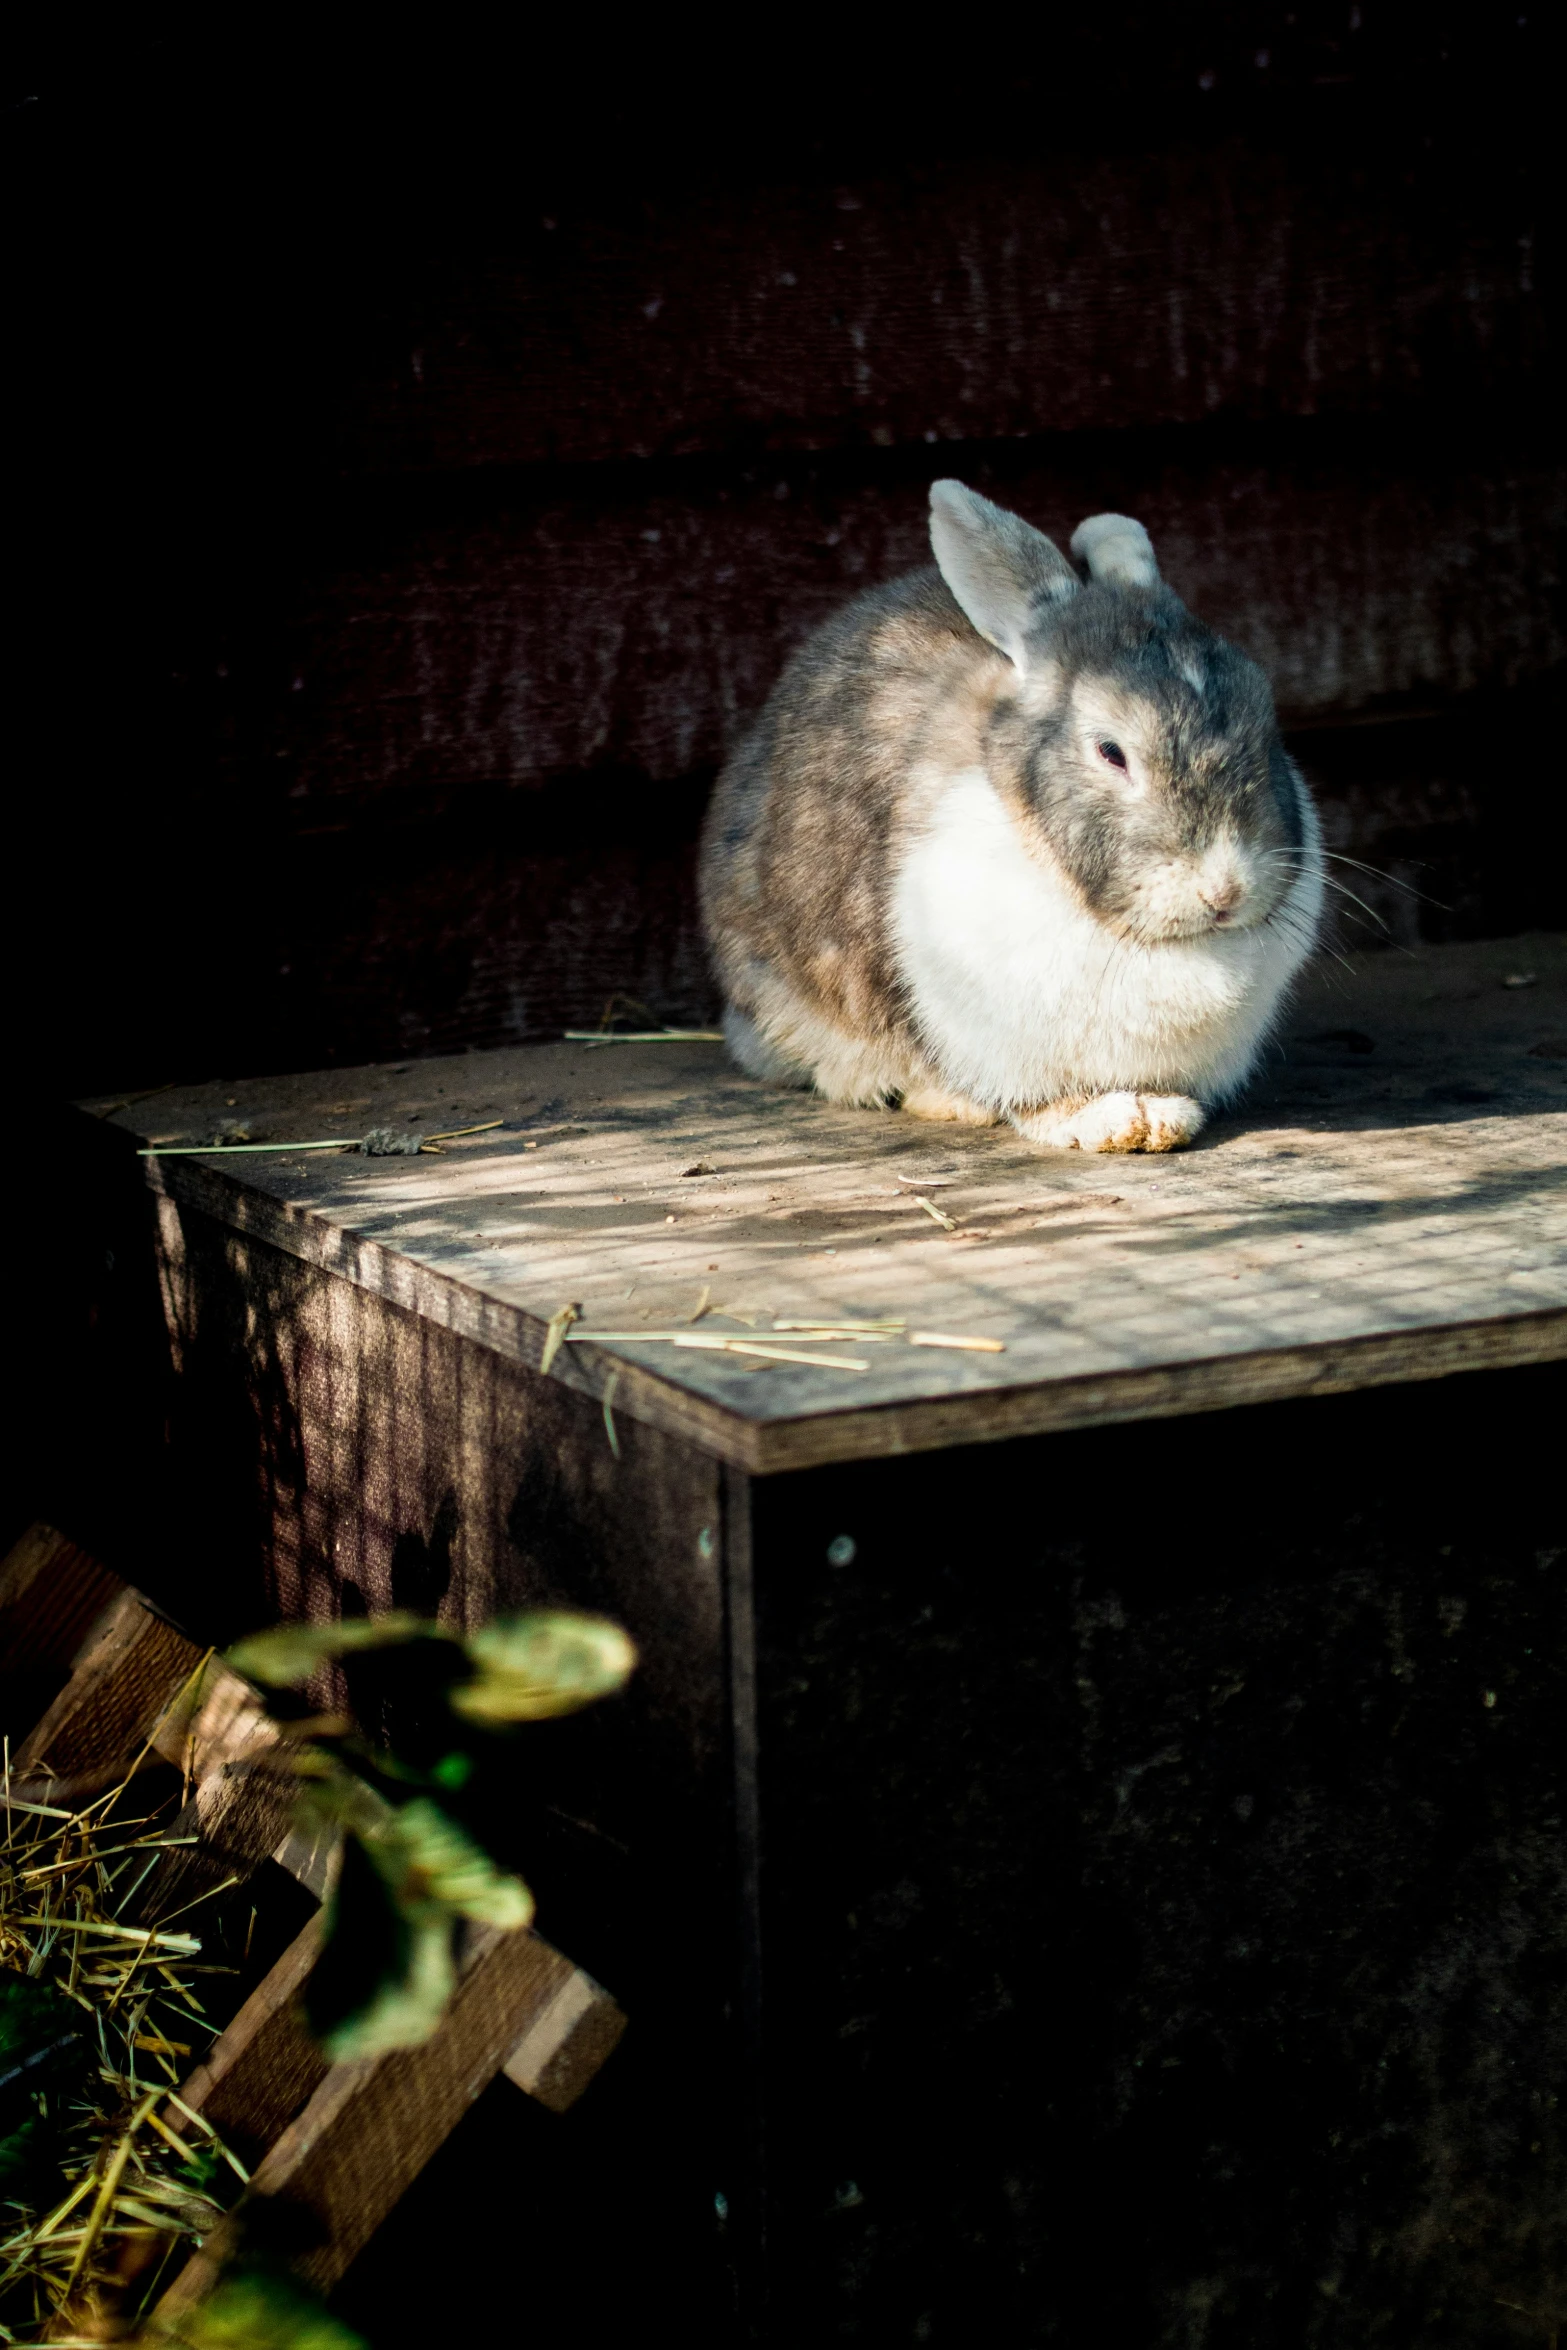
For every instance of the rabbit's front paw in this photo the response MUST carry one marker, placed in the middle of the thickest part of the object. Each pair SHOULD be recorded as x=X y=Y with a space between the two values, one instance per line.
x=1109 y=1122
x=1115 y=1122
x=1173 y=1120
x=933 y=1101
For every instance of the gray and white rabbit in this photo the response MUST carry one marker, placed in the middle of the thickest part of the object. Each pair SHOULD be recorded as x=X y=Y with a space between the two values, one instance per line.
x=1006 y=843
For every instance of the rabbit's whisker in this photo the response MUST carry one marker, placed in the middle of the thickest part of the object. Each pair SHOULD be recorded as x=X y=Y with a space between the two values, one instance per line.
x=1289 y=925
x=1345 y=891
x=1331 y=881
x=1377 y=873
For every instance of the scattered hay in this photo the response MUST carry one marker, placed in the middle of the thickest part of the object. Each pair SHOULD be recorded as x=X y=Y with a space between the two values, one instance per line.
x=101 y=2017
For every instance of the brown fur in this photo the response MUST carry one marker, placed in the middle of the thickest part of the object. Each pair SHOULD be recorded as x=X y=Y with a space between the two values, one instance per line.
x=795 y=856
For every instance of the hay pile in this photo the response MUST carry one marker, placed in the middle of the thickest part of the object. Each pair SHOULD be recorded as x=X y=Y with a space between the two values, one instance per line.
x=101 y=2017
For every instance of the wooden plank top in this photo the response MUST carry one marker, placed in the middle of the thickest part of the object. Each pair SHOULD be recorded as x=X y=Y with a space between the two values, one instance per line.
x=1388 y=1204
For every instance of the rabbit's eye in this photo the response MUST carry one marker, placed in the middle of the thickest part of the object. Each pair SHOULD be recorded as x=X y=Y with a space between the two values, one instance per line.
x=1113 y=755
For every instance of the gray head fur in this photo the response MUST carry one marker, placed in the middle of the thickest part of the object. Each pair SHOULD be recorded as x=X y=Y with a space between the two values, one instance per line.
x=1139 y=738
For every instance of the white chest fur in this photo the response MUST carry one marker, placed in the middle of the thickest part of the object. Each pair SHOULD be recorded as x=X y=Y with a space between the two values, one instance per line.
x=1021 y=997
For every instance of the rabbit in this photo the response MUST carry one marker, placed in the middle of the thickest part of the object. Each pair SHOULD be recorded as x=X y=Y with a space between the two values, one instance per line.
x=1011 y=845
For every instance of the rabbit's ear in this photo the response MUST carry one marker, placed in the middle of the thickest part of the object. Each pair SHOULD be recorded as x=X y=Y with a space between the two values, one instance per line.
x=1003 y=572
x=1116 y=550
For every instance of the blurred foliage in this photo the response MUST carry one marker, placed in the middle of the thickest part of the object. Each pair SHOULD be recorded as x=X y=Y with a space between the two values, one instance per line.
x=531 y=1668
x=524 y=1668
x=290 y=1653
x=416 y=1866
x=258 y=2309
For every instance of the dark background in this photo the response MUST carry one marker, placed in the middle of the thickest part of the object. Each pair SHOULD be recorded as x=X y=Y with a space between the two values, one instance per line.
x=426 y=444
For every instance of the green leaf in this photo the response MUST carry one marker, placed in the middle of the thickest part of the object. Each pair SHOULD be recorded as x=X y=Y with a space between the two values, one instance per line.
x=532 y=1667
x=385 y=1971
x=257 y=2310
x=292 y=1652
x=403 y=2009
x=426 y=1858
x=387 y=1967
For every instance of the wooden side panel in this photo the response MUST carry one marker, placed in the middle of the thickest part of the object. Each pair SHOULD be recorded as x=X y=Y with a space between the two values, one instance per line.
x=1163 y=1892
x=345 y=1455
x=339 y=1454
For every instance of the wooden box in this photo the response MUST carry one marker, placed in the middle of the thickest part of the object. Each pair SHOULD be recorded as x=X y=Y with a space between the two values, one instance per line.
x=1082 y=1854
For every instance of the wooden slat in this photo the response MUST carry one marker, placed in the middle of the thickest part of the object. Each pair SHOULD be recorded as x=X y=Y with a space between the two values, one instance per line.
x=1383 y=1209
x=218 y=1718
x=967 y=302
x=264 y=2067
x=370 y=2128
x=221 y=1735
x=363 y=2132
x=562 y=2046
x=51 y=1594
x=705 y=603
x=240 y=1812
x=130 y=1667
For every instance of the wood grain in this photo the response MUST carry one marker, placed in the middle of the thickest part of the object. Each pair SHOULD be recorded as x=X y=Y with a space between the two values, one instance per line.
x=240 y=1814
x=264 y=2066
x=1388 y=1206
x=473 y=651
x=51 y=1593
x=129 y=1669
x=564 y=2043
x=218 y=1718
x=965 y=301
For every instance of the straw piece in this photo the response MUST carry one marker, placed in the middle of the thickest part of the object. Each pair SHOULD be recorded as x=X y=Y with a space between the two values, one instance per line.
x=840 y=1322
x=610 y=1385
x=702 y=1302
x=794 y=1354
x=456 y=1133
x=558 y=1325
x=212 y=1150
x=146 y=1095
x=158 y=1844
x=924 y=1182
x=978 y=1346
x=685 y=1336
x=643 y=1035
x=714 y=1340
x=937 y=1215
x=837 y=1335
x=187 y=1944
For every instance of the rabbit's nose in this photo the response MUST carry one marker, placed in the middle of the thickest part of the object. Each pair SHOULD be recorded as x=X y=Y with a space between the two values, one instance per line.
x=1221 y=896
